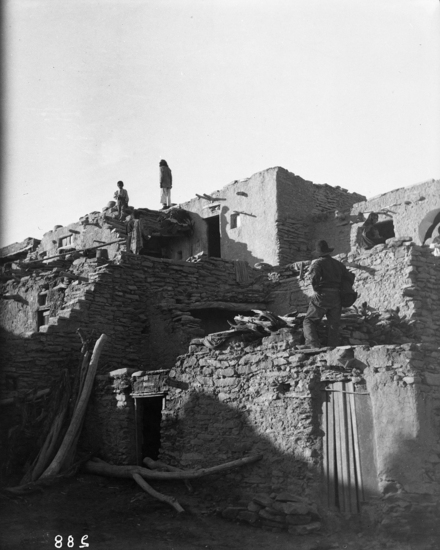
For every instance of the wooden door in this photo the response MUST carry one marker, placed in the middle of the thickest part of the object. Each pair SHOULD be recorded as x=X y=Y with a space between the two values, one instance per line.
x=348 y=447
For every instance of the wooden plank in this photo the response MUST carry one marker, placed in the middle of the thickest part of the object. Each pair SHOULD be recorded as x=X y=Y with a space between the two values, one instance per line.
x=354 y=508
x=325 y=457
x=357 y=454
x=138 y=434
x=230 y=306
x=339 y=447
x=344 y=448
x=331 y=451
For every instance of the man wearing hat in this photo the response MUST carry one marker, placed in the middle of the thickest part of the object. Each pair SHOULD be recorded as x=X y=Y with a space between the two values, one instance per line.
x=326 y=275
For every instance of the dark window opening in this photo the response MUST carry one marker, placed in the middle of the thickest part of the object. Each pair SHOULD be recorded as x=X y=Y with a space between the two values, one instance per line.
x=372 y=234
x=153 y=247
x=42 y=318
x=179 y=255
x=235 y=220
x=385 y=229
x=216 y=320
x=151 y=416
x=65 y=241
x=214 y=247
x=42 y=299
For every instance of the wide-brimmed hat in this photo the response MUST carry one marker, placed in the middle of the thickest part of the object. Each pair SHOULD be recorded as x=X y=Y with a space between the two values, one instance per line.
x=322 y=247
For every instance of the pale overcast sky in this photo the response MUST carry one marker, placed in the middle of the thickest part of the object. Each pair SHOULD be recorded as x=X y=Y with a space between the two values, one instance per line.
x=344 y=92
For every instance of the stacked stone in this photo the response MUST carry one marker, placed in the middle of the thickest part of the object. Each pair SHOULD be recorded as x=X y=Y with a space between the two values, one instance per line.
x=401 y=276
x=278 y=512
x=109 y=429
x=293 y=244
x=247 y=400
x=329 y=199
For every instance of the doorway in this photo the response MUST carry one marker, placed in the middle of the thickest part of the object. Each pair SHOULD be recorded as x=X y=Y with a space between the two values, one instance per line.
x=214 y=246
x=148 y=422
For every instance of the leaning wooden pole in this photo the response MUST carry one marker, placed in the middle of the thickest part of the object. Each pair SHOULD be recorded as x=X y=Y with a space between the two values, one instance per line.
x=78 y=414
x=104 y=469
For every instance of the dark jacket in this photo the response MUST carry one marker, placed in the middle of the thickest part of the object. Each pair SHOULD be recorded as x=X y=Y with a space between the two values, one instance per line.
x=326 y=272
x=166 y=179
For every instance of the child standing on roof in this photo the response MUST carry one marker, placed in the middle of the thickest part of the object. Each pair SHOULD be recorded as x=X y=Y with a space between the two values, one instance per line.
x=121 y=196
x=166 y=182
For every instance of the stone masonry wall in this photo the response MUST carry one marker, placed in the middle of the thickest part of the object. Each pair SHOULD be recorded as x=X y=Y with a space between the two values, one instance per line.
x=266 y=399
x=236 y=406
x=398 y=276
x=142 y=304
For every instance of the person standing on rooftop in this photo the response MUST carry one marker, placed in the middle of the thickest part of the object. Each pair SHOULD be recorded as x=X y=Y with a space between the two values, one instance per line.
x=166 y=182
x=121 y=197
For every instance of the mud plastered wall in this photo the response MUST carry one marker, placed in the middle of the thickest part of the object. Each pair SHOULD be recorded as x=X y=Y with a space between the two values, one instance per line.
x=253 y=203
x=266 y=399
x=408 y=208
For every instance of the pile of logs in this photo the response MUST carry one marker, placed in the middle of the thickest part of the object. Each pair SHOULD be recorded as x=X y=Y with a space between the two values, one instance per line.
x=359 y=325
x=56 y=455
x=263 y=323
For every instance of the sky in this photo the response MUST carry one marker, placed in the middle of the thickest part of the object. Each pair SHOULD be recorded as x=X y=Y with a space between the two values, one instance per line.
x=344 y=92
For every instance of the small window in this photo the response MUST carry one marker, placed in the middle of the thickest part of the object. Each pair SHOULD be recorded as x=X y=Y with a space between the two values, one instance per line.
x=235 y=220
x=42 y=299
x=65 y=241
x=43 y=318
x=179 y=255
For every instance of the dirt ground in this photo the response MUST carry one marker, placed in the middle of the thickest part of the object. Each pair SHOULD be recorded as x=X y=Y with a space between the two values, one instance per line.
x=115 y=514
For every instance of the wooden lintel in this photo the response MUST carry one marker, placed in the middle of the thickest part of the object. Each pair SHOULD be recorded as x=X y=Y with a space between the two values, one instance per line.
x=230 y=306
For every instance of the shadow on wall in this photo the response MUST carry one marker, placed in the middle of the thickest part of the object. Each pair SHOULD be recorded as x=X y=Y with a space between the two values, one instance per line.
x=333 y=229
x=30 y=374
x=411 y=511
x=208 y=431
x=232 y=249
x=290 y=438
x=428 y=225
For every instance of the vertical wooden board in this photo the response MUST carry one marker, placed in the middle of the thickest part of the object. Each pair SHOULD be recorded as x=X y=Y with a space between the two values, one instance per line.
x=339 y=447
x=344 y=448
x=325 y=444
x=137 y=423
x=331 y=450
x=367 y=447
x=354 y=508
x=357 y=453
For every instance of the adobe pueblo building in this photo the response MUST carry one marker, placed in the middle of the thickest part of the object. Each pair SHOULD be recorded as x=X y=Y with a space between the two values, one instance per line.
x=196 y=372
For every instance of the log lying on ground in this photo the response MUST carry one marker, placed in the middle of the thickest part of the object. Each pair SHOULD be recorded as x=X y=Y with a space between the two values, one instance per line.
x=67 y=446
x=158 y=465
x=163 y=498
x=104 y=469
